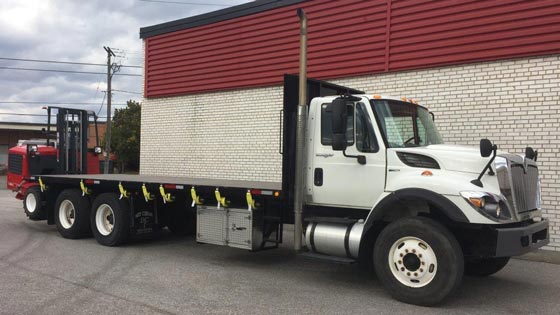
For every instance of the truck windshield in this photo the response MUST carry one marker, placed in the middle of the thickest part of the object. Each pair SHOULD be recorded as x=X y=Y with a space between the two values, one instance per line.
x=404 y=124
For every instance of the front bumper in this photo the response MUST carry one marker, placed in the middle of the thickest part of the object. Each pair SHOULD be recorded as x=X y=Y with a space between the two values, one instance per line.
x=515 y=241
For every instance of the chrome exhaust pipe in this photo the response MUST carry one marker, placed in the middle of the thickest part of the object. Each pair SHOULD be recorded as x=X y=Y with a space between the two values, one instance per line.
x=300 y=133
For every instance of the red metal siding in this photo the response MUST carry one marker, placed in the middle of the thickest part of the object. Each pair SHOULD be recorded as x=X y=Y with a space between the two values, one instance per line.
x=347 y=38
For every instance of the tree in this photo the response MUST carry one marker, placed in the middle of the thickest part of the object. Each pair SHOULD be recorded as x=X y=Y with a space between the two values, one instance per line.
x=125 y=136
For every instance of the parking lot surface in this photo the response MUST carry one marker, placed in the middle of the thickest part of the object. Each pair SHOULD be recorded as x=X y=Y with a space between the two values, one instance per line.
x=43 y=273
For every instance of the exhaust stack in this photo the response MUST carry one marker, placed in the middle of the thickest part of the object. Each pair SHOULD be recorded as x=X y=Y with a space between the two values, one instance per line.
x=300 y=133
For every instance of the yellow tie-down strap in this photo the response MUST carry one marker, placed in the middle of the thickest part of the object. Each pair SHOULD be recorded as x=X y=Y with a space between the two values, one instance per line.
x=250 y=201
x=146 y=193
x=196 y=200
x=42 y=185
x=166 y=196
x=123 y=191
x=85 y=190
x=221 y=200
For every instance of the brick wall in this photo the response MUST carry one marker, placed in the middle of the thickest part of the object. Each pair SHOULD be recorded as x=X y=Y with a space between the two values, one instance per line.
x=235 y=134
x=231 y=135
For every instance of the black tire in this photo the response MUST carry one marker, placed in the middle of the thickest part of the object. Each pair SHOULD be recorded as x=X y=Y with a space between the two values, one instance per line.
x=110 y=219
x=71 y=214
x=33 y=204
x=442 y=254
x=485 y=267
x=180 y=219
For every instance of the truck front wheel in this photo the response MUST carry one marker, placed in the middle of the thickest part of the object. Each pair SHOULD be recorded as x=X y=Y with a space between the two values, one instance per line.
x=485 y=267
x=418 y=261
x=32 y=204
x=72 y=214
x=110 y=219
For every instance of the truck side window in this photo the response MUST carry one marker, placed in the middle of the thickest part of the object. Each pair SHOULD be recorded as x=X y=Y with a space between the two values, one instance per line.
x=365 y=136
x=326 y=125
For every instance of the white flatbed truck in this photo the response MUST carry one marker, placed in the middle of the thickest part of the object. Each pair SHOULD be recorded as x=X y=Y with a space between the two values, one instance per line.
x=377 y=186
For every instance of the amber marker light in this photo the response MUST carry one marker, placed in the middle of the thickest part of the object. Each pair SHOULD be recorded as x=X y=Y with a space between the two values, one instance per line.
x=377 y=96
x=276 y=194
x=427 y=173
x=477 y=202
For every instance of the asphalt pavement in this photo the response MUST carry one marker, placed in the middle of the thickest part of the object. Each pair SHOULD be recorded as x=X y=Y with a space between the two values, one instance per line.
x=43 y=273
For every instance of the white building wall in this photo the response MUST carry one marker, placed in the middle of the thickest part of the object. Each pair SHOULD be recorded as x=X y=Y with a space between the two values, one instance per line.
x=231 y=135
x=235 y=134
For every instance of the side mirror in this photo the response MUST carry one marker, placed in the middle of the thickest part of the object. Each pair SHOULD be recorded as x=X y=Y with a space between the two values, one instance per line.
x=339 y=119
x=486 y=147
x=97 y=150
x=530 y=153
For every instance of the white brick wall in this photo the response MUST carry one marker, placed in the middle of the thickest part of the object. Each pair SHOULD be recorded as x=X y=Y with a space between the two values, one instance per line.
x=235 y=134
x=231 y=135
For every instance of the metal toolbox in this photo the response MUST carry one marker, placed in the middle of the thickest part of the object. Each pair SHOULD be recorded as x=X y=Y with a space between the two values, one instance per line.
x=229 y=226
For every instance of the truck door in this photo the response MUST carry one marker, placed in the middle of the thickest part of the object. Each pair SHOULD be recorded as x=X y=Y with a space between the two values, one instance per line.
x=338 y=180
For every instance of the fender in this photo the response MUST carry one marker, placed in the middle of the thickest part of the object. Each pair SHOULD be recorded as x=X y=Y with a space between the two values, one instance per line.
x=23 y=187
x=433 y=199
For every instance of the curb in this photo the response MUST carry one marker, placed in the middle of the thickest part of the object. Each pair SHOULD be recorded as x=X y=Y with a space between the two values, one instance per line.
x=546 y=256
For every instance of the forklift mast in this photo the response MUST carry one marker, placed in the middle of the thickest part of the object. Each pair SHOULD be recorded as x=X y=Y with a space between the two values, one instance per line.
x=72 y=134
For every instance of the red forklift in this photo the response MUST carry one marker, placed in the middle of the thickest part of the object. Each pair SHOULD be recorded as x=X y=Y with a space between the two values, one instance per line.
x=64 y=150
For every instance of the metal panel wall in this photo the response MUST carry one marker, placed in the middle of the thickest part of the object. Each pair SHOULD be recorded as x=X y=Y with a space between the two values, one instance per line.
x=347 y=38
x=433 y=33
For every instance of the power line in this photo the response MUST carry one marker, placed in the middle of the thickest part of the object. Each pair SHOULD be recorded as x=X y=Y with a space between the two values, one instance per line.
x=192 y=3
x=67 y=71
x=64 y=62
x=123 y=91
x=54 y=103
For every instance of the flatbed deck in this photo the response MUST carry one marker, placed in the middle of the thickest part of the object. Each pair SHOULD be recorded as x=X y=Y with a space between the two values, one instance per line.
x=148 y=179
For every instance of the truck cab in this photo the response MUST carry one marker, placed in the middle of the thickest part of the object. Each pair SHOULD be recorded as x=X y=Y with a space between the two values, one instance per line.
x=381 y=186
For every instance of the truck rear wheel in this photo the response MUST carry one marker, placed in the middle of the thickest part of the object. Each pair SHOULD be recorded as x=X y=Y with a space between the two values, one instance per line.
x=485 y=267
x=72 y=214
x=32 y=204
x=110 y=219
x=418 y=261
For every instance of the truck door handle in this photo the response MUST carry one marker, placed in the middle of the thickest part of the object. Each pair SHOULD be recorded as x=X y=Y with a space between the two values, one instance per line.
x=318 y=177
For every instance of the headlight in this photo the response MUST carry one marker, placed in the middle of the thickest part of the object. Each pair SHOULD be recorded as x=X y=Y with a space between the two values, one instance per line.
x=490 y=205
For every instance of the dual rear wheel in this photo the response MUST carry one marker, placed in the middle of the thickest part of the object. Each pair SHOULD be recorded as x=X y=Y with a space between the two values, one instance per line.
x=108 y=218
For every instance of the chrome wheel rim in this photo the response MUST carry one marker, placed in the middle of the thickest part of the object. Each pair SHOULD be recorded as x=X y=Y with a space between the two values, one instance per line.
x=413 y=262
x=31 y=203
x=104 y=219
x=66 y=214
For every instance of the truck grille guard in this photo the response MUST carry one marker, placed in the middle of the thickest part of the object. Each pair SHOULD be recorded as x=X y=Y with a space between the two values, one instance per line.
x=518 y=178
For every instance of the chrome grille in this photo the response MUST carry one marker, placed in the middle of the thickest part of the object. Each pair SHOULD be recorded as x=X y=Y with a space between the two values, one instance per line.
x=519 y=182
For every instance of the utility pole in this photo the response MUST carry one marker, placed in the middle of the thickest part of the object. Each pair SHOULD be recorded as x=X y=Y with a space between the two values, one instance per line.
x=111 y=69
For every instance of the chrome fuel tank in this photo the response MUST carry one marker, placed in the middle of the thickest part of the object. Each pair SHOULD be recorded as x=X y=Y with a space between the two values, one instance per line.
x=334 y=239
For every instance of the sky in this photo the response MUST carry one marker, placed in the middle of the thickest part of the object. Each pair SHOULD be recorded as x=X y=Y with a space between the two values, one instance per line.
x=76 y=31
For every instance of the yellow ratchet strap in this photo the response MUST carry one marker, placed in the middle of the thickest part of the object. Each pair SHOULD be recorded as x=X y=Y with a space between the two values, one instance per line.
x=146 y=193
x=250 y=201
x=196 y=200
x=42 y=185
x=85 y=190
x=221 y=200
x=123 y=191
x=166 y=196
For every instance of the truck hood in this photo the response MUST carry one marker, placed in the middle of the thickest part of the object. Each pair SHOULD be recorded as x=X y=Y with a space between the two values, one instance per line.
x=458 y=158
